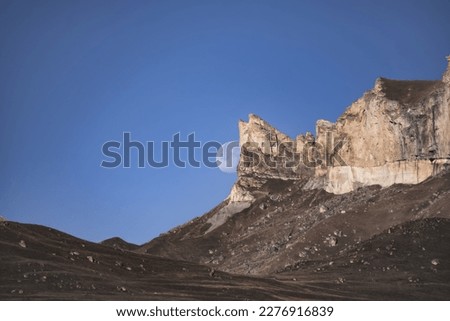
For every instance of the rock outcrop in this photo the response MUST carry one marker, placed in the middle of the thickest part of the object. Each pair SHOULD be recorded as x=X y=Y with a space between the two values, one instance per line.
x=396 y=133
x=266 y=153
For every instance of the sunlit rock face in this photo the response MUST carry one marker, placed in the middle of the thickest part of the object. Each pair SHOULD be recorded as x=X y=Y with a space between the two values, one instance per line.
x=267 y=153
x=396 y=133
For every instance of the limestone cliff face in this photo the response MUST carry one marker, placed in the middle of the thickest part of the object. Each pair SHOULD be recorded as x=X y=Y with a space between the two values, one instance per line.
x=396 y=121
x=396 y=133
x=266 y=153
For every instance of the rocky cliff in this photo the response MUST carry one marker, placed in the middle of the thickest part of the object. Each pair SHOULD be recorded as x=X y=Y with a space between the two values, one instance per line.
x=396 y=133
x=316 y=198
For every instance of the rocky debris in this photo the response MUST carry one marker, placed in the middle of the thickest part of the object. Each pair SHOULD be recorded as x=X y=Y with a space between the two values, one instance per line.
x=412 y=279
x=435 y=262
x=22 y=244
x=275 y=197
x=331 y=241
x=90 y=258
x=302 y=254
x=20 y=291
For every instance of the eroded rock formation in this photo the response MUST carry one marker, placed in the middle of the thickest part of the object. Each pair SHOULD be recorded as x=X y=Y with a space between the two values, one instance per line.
x=396 y=133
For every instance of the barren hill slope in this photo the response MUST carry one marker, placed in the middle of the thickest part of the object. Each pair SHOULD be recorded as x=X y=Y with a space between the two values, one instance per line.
x=286 y=225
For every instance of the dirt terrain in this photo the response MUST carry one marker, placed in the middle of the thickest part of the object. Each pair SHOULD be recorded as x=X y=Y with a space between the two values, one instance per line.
x=291 y=244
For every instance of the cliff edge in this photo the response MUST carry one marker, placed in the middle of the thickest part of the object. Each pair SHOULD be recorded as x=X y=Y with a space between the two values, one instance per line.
x=396 y=133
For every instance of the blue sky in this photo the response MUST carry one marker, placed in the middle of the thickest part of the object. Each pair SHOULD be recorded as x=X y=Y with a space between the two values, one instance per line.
x=75 y=74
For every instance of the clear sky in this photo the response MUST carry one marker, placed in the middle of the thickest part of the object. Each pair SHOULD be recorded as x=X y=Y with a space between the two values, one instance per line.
x=75 y=74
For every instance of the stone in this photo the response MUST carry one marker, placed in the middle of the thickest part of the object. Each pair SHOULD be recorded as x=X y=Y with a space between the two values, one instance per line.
x=435 y=261
x=331 y=241
x=22 y=244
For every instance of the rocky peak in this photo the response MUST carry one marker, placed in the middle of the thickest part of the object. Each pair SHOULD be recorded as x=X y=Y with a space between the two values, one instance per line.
x=397 y=132
x=266 y=153
x=259 y=134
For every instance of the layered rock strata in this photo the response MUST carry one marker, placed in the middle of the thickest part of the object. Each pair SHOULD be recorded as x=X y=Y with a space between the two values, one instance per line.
x=396 y=133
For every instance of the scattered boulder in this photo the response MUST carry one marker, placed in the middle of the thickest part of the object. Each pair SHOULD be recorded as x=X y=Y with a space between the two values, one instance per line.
x=331 y=241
